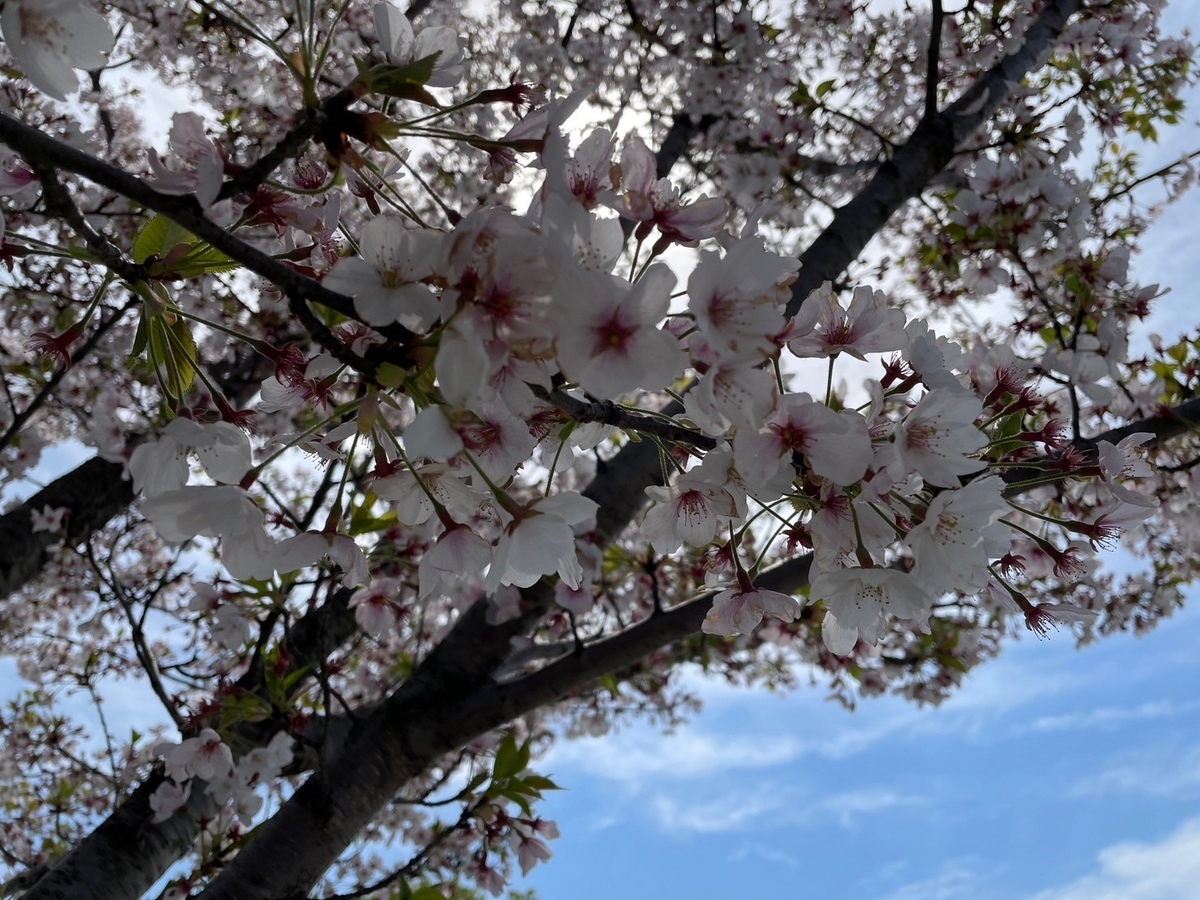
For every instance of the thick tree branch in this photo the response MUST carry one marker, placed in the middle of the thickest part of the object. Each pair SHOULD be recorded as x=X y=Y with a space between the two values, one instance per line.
x=933 y=56
x=415 y=726
x=185 y=211
x=460 y=718
x=929 y=150
x=94 y=492
x=128 y=852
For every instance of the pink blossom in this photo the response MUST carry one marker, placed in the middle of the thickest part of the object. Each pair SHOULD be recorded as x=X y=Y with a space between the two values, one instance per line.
x=202 y=757
x=693 y=508
x=161 y=465
x=856 y=601
x=50 y=38
x=1044 y=616
x=587 y=172
x=608 y=341
x=738 y=299
x=655 y=201
x=937 y=437
x=49 y=519
x=730 y=393
x=542 y=542
x=403 y=47
x=1118 y=461
x=498 y=440
x=823 y=328
x=195 y=164
x=834 y=445
x=459 y=553
x=385 y=281
x=376 y=607
x=232 y=629
x=168 y=798
x=412 y=500
x=950 y=545
x=310 y=548
x=738 y=610
x=216 y=511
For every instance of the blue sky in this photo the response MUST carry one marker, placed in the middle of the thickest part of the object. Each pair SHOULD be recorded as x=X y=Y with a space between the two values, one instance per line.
x=1053 y=774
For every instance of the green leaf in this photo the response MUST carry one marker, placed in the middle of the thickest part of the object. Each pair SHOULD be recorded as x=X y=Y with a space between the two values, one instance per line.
x=540 y=783
x=390 y=375
x=157 y=242
x=182 y=365
x=140 y=337
x=508 y=759
x=172 y=351
x=403 y=82
x=363 y=522
x=158 y=236
x=203 y=259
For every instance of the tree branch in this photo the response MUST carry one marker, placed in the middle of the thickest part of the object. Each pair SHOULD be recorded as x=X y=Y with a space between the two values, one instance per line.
x=929 y=150
x=608 y=413
x=931 y=62
x=123 y=857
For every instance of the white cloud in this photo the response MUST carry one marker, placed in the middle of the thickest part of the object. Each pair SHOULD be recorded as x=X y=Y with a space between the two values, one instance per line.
x=847 y=808
x=754 y=851
x=1169 y=870
x=771 y=805
x=1104 y=717
x=1160 y=772
x=641 y=754
x=729 y=813
x=954 y=880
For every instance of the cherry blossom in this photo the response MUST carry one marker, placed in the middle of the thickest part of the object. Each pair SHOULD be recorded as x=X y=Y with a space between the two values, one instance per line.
x=403 y=47
x=161 y=465
x=588 y=170
x=739 y=610
x=857 y=599
x=835 y=445
x=413 y=502
x=541 y=541
x=937 y=437
x=376 y=608
x=385 y=281
x=459 y=553
x=167 y=799
x=202 y=757
x=693 y=508
x=1117 y=461
x=50 y=518
x=195 y=164
x=651 y=200
x=50 y=38
x=868 y=325
x=951 y=545
x=737 y=298
x=607 y=340
x=217 y=511
x=313 y=546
